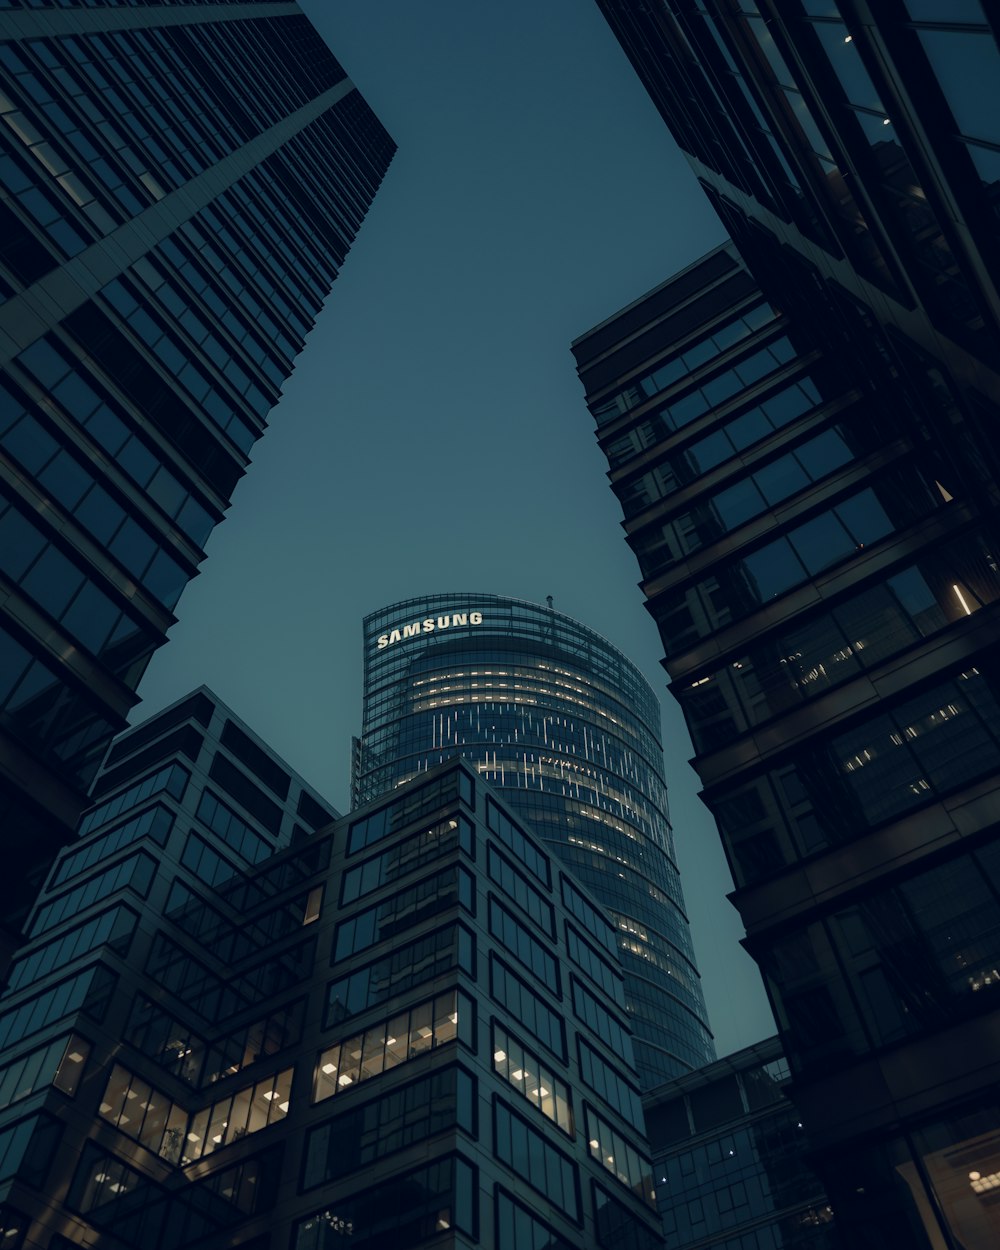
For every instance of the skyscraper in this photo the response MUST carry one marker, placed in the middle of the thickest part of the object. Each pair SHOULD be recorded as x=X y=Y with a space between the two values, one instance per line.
x=812 y=495
x=181 y=184
x=567 y=729
x=238 y=1022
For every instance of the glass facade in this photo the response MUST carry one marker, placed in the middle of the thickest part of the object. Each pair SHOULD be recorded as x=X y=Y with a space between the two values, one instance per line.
x=567 y=731
x=318 y=1043
x=730 y=1159
x=818 y=545
x=232 y=161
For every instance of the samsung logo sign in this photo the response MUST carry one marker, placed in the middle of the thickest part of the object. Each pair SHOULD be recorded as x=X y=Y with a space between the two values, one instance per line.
x=428 y=626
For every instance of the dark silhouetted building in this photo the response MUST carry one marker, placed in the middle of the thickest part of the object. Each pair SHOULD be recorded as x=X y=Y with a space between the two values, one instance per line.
x=803 y=439
x=181 y=183
x=237 y=1022
x=568 y=731
x=729 y=1159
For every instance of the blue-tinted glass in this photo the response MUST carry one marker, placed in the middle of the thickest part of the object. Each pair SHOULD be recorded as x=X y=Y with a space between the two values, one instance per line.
x=100 y=515
x=785 y=406
x=739 y=502
x=30 y=445
x=20 y=544
x=822 y=542
x=137 y=462
x=709 y=452
x=685 y=410
x=911 y=589
x=13 y=179
x=66 y=480
x=14 y=659
x=986 y=161
x=773 y=569
x=105 y=428
x=754 y=367
x=824 y=454
x=967 y=66
x=133 y=547
x=243 y=437
x=91 y=618
x=748 y=429
x=781 y=478
x=765 y=39
x=865 y=518
x=165 y=490
x=717 y=389
x=698 y=354
x=76 y=396
x=52 y=581
x=37 y=680
x=951 y=11
x=847 y=65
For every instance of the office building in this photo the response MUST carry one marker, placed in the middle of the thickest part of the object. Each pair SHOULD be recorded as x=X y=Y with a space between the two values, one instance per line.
x=237 y=1023
x=801 y=436
x=729 y=1159
x=181 y=185
x=568 y=731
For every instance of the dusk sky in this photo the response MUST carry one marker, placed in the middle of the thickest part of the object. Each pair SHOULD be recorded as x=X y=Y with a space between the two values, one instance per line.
x=433 y=436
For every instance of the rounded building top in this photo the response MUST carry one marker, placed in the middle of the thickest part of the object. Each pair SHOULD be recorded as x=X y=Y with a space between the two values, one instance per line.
x=394 y=634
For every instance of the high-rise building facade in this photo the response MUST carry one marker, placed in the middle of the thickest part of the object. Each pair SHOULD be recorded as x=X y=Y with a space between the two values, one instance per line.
x=232 y=1028
x=181 y=183
x=857 y=136
x=729 y=1159
x=818 y=537
x=567 y=730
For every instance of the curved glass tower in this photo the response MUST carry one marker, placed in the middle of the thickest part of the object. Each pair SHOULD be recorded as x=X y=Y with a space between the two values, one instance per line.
x=559 y=720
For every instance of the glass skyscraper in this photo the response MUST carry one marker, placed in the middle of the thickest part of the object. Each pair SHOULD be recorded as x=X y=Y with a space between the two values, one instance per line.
x=803 y=439
x=241 y=1022
x=567 y=729
x=181 y=183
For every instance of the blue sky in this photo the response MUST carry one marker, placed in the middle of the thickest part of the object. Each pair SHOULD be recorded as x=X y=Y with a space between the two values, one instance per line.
x=433 y=436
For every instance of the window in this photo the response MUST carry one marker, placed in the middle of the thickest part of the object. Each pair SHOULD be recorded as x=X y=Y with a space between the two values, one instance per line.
x=59 y=1063
x=89 y=991
x=155 y=823
x=604 y=1024
x=610 y=1085
x=389 y=819
x=619 y=1229
x=113 y=928
x=173 y=779
x=523 y=946
x=135 y=873
x=531 y=1011
x=405 y=1210
x=516 y=841
x=592 y=920
x=533 y=1079
x=249 y=1110
x=406 y=967
x=407 y=856
x=600 y=972
x=531 y=1157
x=517 y=1228
x=516 y=886
x=449 y=888
x=243 y=838
x=397 y=1118
x=395 y=1041
x=619 y=1157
